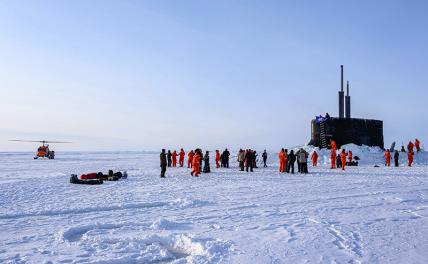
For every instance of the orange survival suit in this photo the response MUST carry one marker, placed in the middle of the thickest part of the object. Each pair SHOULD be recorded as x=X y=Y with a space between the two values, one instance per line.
x=281 y=156
x=181 y=157
x=417 y=145
x=174 y=158
x=410 y=158
x=314 y=159
x=190 y=159
x=387 y=157
x=333 y=154
x=196 y=161
x=343 y=159
x=217 y=158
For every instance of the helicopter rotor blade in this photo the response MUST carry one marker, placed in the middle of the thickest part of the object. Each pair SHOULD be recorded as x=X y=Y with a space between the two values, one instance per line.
x=66 y=142
x=19 y=140
x=38 y=141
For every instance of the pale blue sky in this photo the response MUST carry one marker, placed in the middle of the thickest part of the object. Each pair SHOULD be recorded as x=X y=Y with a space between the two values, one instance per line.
x=132 y=75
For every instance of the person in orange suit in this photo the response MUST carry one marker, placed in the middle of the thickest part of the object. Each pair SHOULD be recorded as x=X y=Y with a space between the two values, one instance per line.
x=181 y=157
x=333 y=153
x=217 y=158
x=343 y=156
x=350 y=156
x=417 y=145
x=281 y=156
x=410 y=158
x=410 y=146
x=387 y=158
x=190 y=159
x=314 y=158
x=174 y=158
x=196 y=161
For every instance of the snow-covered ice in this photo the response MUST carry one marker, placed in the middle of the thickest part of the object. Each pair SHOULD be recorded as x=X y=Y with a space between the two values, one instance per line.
x=366 y=214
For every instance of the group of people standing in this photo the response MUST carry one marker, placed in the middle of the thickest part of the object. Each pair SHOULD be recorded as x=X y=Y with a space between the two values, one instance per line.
x=288 y=159
x=194 y=160
x=247 y=159
x=410 y=153
x=339 y=161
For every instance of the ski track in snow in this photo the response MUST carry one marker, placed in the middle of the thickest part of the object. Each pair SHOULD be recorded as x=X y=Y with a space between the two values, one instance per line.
x=362 y=215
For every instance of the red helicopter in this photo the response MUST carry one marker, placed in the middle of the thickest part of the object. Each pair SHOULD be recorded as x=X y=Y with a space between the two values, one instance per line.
x=43 y=151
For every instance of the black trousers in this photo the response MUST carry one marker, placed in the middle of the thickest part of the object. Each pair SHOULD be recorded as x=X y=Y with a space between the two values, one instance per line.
x=163 y=170
x=169 y=163
x=249 y=165
x=299 y=169
x=304 y=167
x=396 y=162
x=264 y=163
x=207 y=167
x=291 y=167
x=226 y=163
x=241 y=165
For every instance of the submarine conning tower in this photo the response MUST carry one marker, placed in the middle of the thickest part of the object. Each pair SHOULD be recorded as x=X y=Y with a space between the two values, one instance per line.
x=344 y=129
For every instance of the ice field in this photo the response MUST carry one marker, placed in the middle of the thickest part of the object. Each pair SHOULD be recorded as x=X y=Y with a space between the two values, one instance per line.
x=366 y=214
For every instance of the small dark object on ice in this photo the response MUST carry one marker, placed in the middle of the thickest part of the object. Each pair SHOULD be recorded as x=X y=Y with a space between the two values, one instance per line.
x=376 y=166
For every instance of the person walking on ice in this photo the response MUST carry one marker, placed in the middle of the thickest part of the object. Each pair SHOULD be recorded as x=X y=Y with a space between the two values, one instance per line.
x=181 y=157
x=174 y=158
x=410 y=158
x=314 y=158
x=303 y=160
x=291 y=161
x=417 y=145
x=281 y=157
x=333 y=153
x=217 y=158
x=343 y=158
x=396 y=158
x=190 y=159
x=264 y=156
x=163 y=163
x=387 y=158
x=195 y=164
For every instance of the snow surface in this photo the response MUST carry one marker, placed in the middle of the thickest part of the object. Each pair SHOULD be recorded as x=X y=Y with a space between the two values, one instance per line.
x=366 y=214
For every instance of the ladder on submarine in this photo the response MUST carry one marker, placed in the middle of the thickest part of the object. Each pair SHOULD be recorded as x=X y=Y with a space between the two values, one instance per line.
x=323 y=135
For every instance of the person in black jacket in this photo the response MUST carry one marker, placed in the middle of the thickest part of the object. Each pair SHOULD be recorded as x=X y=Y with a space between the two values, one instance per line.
x=169 y=155
x=207 y=162
x=249 y=160
x=226 y=155
x=264 y=156
x=338 y=162
x=255 y=159
x=396 y=158
x=163 y=163
x=291 y=161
